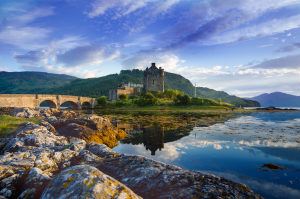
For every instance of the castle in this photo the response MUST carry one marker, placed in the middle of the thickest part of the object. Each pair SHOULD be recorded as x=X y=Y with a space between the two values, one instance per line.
x=153 y=80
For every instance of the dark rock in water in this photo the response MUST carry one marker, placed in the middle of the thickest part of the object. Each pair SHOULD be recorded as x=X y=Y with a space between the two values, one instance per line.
x=74 y=131
x=84 y=181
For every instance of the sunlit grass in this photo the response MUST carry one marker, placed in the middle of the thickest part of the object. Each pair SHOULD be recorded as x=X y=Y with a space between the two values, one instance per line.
x=9 y=124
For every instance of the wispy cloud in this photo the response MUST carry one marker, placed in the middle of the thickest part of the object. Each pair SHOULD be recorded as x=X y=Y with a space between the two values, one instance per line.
x=267 y=45
x=288 y=48
x=17 y=32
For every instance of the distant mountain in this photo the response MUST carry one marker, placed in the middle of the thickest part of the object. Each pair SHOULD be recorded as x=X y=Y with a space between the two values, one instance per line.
x=215 y=95
x=28 y=82
x=277 y=99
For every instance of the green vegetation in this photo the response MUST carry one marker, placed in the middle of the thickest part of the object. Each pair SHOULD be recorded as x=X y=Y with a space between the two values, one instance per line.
x=102 y=101
x=31 y=82
x=146 y=99
x=123 y=96
x=9 y=124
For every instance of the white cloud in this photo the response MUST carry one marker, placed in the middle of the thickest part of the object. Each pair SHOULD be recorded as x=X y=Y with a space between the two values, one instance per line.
x=227 y=67
x=19 y=34
x=283 y=40
x=89 y=54
x=24 y=37
x=239 y=66
x=290 y=34
x=217 y=67
x=70 y=61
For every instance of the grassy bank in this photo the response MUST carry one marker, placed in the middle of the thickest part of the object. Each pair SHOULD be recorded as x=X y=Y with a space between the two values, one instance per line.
x=9 y=124
x=162 y=105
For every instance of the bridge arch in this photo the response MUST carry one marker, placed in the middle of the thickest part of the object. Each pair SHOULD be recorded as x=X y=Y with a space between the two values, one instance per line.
x=86 y=104
x=73 y=104
x=51 y=103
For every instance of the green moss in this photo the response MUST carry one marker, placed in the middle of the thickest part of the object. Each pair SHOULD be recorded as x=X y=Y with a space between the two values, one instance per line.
x=9 y=124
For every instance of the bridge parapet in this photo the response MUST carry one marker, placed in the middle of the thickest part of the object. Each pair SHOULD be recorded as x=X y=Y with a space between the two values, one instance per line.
x=34 y=101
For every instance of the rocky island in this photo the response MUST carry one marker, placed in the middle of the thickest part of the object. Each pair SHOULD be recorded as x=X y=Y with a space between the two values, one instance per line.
x=69 y=155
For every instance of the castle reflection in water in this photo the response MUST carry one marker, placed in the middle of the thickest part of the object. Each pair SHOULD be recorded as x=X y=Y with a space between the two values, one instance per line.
x=153 y=137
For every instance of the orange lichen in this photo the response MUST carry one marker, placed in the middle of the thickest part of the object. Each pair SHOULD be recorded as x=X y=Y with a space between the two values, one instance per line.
x=67 y=183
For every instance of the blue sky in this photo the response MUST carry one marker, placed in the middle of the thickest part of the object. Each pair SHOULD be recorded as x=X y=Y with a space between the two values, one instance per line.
x=243 y=47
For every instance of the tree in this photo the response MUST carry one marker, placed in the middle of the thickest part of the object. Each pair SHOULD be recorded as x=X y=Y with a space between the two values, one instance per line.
x=146 y=99
x=123 y=96
x=132 y=97
x=102 y=100
x=185 y=99
x=179 y=96
x=220 y=100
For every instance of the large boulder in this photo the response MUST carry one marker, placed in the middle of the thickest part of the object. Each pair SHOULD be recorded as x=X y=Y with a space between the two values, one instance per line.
x=33 y=135
x=84 y=181
x=24 y=113
x=106 y=136
x=34 y=184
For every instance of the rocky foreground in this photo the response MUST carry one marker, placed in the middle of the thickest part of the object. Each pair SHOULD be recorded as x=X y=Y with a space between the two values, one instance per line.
x=66 y=156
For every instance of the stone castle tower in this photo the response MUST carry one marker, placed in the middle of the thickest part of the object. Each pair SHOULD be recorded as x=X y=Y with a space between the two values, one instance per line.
x=154 y=79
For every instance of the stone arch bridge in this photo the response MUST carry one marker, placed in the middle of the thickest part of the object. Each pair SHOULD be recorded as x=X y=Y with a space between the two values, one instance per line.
x=34 y=101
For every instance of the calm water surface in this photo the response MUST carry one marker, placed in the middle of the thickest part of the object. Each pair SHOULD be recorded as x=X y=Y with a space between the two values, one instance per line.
x=235 y=149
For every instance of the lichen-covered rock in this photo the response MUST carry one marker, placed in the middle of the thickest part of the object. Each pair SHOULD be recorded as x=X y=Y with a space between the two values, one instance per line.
x=44 y=162
x=35 y=183
x=85 y=181
x=102 y=150
x=77 y=145
x=86 y=157
x=33 y=135
x=49 y=127
x=19 y=161
x=6 y=171
x=51 y=119
x=24 y=113
x=8 y=186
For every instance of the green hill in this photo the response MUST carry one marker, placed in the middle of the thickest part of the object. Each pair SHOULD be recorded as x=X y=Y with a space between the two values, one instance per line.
x=100 y=86
x=28 y=82
x=46 y=83
x=215 y=95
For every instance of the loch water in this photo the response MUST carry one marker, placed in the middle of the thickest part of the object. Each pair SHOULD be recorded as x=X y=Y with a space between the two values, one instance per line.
x=233 y=146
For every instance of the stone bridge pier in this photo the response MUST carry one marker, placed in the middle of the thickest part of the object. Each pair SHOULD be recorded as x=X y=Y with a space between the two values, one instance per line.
x=55 y=101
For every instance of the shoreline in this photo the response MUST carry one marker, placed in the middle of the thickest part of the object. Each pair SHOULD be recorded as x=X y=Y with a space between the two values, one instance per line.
x=35 y=150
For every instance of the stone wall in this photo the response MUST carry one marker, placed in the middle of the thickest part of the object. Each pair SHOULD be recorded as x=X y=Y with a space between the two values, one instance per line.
x=34 y=101
x=114 y=94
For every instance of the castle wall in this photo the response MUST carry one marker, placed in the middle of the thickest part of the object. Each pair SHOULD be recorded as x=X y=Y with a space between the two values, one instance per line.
x=114 y=94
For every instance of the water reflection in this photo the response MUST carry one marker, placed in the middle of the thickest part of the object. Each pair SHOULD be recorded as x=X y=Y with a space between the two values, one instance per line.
x=153 y=139
x=234 y=148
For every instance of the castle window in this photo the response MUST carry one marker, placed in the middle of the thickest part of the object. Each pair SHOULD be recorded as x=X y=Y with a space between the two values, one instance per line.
x=153 y=82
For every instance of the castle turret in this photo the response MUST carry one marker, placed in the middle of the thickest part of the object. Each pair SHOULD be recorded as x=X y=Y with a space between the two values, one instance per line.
x=154 y=79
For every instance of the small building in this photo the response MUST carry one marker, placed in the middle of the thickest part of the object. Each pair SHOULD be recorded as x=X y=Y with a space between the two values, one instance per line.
x=153 y=80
